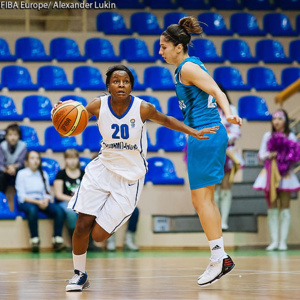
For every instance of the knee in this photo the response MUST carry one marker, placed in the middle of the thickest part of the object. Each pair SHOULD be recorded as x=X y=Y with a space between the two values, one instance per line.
x=82 y=228
x=33 y=211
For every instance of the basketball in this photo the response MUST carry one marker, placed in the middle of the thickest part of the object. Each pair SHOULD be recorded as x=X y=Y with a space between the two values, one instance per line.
x=70 y=118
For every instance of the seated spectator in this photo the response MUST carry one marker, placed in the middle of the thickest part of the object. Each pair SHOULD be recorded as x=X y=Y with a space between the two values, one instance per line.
x=33 y=190
x=12 y=156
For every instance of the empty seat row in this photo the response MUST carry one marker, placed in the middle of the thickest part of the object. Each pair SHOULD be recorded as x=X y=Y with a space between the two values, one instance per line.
x=244 y=23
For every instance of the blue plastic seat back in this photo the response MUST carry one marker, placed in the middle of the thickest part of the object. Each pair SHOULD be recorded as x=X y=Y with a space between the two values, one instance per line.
x=31 y=49
x=230 y=78
x=289 y=4
x=229 y=4
x=57 y=143
x=156 y=48
x=8 y=110
x=65 y=49
x=215 y=24
x=37 y=108
x=91 y=138
x=135 y=50
x=294 y=50
x=88 y=78
x=162 y=171
x=173 y=18
x=5 y=54
x=236 y=50
x=289 y=76
x=145 y=23
x=98 y=49
x=253 y=108
x=260 y=4
x=84 y=161
x=30 y=137
x=173 y=108
x=196 y=4
x=206 y=50
x=278 y=24
x=53 y=78
x=5 y=212
x=80 y=99
x=151 y=99
x=271 y=51
x=262 y=79
x=163 y=4
x=132 y=4
x=151 y=146
x=17 y=78
x=51 y=167
x=245 y=24
x=112 y=23
x=158 y=78
x=298 y=24
x=170 y=140
x=137 y=85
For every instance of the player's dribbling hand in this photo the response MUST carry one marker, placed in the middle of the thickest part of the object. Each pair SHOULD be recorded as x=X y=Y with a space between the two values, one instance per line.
x=200 y=134
x=55 y=107
x=234 y=120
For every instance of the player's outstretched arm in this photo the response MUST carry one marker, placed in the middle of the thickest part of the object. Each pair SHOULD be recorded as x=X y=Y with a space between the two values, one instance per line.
x=148 y=111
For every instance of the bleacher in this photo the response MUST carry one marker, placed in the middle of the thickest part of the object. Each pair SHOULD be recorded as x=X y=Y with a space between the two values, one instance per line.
x=251 y=47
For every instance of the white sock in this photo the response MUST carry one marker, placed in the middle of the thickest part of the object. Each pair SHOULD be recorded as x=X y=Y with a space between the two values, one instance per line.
x=216 y=248
x=79 y=262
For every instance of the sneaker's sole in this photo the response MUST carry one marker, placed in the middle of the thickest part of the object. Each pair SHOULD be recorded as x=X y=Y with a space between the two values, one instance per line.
x=77 y=288
x=218 y=277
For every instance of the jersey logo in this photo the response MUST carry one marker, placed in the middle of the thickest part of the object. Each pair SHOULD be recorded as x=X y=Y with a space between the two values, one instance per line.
x=181 y=104
x=132 y=123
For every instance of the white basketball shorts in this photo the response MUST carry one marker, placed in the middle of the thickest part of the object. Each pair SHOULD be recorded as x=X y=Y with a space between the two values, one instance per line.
x=107 y=196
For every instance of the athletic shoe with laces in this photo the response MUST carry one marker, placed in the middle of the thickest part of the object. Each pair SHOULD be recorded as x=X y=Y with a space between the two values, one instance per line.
x=215 y=270
x=78 y=282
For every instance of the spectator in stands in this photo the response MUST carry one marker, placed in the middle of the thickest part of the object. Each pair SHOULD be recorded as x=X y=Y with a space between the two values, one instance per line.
x=33 y=190
x=234 y=161
x=129 y=243
x=65 y=185
x=12 y=155
x=279 y=150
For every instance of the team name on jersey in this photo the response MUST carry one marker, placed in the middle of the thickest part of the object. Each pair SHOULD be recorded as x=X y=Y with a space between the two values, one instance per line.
x=119 y=145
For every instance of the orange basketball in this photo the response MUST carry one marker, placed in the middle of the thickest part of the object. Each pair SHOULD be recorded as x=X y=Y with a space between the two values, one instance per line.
x=70 y=118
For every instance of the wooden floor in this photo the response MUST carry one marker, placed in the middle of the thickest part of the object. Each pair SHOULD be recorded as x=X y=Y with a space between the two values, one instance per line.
x=151 y=275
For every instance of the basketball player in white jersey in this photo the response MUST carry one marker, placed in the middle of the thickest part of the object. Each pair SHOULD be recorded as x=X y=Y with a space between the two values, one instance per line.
x=113 y=181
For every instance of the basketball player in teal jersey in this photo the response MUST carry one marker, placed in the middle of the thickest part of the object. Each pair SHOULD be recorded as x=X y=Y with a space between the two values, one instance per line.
x=197 y=93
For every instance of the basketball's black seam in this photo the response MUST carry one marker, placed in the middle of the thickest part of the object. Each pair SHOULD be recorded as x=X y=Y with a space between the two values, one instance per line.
x=78 y=121
x=58 y=127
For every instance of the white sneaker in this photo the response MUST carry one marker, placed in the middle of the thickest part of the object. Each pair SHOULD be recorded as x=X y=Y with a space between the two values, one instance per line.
x=111 y=244
x=272 y=246
x=215 y=270
x=78 y=282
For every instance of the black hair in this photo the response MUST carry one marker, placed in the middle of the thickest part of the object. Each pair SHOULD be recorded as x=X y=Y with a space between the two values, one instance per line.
x=14 y=127
x=180 y=33
x=224 y=91
x=286 y=124
x=112 y=69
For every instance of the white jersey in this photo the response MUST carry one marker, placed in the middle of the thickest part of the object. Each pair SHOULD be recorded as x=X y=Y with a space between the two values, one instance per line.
x=124 y=145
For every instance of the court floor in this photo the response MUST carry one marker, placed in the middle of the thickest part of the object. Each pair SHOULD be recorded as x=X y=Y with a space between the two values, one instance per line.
x=151 y=275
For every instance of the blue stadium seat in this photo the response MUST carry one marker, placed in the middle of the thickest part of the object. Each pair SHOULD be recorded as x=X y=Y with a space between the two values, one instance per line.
x=229 y=4
x=151 y=147
x=37 y=108
x=100 y=50
x=135 y=50
x=271 y=51
x=289 y=75
x=289 y=4
x=158 y=78
x=91 y=138
x=298 y=24
x=163 y=4
x=51 y=167
x=112 y=23
x=162 y=171
x=145 y=23
x=245 y=24
x=5 y=212
x=173 y=108
x=84 y=161
x=80 y=99
x=137 y=85
x=5 y=54
x=88 y=78
x=262 y=79
x=205 y=50
x=237 y=51
x=30 y=137
x=196 y=4
x=173 y=18
x=156 y=47
x=151 y=99
x=54 y=78
x=294 y=50
x=253 y=108
x=170 y=140
x=130 y=4
x=278 y=24
x=215 y=24
x=31 y=49
x=17 y=78
x=8 y=111
x=57 y=143
x=231 y=79
x=65 y=49
x=260 y=4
